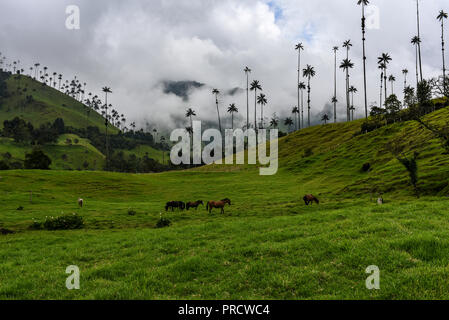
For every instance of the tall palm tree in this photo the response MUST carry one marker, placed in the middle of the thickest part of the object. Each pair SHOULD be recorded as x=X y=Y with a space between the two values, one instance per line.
x=364 y=3
x=274 y=122
x=392 y=80
x=416 y=41
x=325 y=118
x=107 y=90
x=216 y=92
x=352 y=90
x=189 y=114
x=346 y=65
x=382 y=68
x=419 y=43
x=295 y=112
x=334 y=99
x=441 y=17
x=289 y=123
x=385 y=59
x=255 y=85
x=232 y=109
x=309 y=73
x=347 y=44
x=405 y=73
x=262 y=100
x=299 y=47
x=302 y=87
x=247 y=72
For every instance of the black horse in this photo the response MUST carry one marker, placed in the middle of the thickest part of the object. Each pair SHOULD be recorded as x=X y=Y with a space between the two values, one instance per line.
x=175 y=204
x=194 y=204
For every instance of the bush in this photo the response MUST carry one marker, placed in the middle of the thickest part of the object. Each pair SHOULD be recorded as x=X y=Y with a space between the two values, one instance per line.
x=64 y=222
x=163 y=222
x=366 y=167
x=308 y=153
x=37 y=160
x=132 y=212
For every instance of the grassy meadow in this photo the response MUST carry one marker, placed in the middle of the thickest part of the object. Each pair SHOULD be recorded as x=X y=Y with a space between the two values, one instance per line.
x=267 y=245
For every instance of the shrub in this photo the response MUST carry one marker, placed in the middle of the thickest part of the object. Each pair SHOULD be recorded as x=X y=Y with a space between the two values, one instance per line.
x=163 y=222
x=37 y=160
x=132 y=212
x=366 y=167
x=64 y=222
x=308 y=153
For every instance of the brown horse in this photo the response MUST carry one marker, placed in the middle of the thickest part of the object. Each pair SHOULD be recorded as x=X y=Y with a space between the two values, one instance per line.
x=218 y=205
x=310 y=198
x=194 y=204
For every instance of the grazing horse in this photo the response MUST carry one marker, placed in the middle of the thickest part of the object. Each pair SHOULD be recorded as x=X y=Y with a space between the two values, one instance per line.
x=80 y=202
x=175 y=204
x=309 y=199
x=194 y=204
x=218 y=205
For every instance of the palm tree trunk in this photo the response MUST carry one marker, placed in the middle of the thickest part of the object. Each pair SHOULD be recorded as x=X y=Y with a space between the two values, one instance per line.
x=419 y=43
x=107 y=137
x=385 y=80
x=417 y=70
x=299 y=78
x=381 y=89
x=255 y=109
x=232 y=120
x=364 y=59
x=247 y=101
x=442 y=48
x=218 y=113
x=302 y=108
x=308 y=102
x=335 y=88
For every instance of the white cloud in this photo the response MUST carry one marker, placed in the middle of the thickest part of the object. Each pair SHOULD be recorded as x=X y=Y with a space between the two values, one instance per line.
x=133 y=46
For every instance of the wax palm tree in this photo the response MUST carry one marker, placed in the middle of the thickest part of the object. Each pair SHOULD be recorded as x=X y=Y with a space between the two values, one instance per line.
x=382 y=68
x=295 y=112
x=347 y=44
x=346 y=65
x=107 y=90
x=262 y=100
x=419 y=43
x=334 y=99
x=302 y=87
x=443 y=15
x=416 y=41
x=216 y=92
x=300 y=48
x=325 y=118
x=405 y=73
x=247 y=72
x=352 y=90
x=385 y=59
x=232 y=109
x=392 y=80
x=364 y=3
x=274 y=122
x=289 y=123
x=255 y=85
x=309 y=73
x=189 y=114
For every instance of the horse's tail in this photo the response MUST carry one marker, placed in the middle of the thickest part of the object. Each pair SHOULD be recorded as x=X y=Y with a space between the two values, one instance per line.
x=207 y=206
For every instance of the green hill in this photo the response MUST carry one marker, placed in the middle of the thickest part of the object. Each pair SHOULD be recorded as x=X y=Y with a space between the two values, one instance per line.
x=267 y=245
x=70 y=152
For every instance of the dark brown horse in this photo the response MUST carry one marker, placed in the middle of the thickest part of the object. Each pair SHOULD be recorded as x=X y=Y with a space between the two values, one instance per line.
x=310 y=198
x=218 y=205
x=175 y=204
x=194 y=204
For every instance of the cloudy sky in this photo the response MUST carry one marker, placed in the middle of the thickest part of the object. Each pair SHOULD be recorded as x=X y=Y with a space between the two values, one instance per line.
x=133 y=46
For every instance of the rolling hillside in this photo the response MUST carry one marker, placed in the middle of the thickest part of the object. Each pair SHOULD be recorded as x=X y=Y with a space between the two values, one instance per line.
x=267 y=245
x=70 y=152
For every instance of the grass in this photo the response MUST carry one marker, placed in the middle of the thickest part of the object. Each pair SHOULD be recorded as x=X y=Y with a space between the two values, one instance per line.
x=268 y=244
